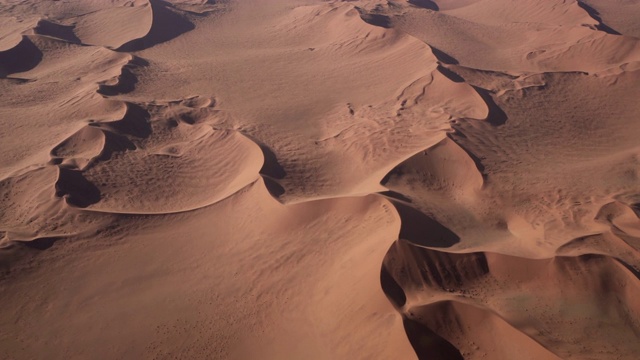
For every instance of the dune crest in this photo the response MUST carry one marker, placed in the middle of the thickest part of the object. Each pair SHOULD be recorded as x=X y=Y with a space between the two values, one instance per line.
x=354 y=179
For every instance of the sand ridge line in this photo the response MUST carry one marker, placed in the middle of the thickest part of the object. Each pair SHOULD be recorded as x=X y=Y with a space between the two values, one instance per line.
x=508 y=192
x=428 y=277
x=582 y=36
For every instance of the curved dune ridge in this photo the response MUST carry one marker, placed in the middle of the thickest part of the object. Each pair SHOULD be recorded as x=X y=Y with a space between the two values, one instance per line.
x=442 y=179
x=180 y=145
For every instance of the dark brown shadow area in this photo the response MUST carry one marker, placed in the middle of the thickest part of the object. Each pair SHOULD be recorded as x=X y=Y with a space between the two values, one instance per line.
x=126 y=84
x=135 y=122
x=62 y=32
x=426 y=4
x=114 y=143
x=271 y=166
x=275 y=189
x=394 y=194
x=127 y=80
x=20 y=58
x=496 y=116
x=443 y=57
x=636 y=209
x=391 y=288
x=375 y=19
x=40 y=243
x=596 y=16
x=76 y=188
x=427 y=344
x=422 y=230
x=271 y=170
x=453 y=76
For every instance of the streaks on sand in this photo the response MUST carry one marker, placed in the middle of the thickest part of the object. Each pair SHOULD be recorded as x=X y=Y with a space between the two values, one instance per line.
x=493 y=148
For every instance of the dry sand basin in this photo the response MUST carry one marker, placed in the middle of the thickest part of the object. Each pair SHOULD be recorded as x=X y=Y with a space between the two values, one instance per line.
x=307 y=179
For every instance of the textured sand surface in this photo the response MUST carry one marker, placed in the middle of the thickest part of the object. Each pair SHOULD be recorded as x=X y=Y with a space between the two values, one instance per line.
x=320 y=179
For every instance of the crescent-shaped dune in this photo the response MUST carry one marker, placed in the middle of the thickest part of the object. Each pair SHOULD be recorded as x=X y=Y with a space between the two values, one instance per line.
x=11 y=32
x=157 y=31
x=320 y=179
x=12 y=58
x=617 y=19
x=518 y=291
x=114 y=26
x=195 y=174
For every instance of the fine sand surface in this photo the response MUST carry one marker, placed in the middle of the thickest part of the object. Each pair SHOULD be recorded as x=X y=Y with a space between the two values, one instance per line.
x=320 y=179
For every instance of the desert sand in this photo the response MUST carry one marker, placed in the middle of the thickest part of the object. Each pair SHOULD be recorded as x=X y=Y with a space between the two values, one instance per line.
x=320 y=179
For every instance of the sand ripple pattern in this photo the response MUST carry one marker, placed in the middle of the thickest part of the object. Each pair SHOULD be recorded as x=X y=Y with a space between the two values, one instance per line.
x=495 y=137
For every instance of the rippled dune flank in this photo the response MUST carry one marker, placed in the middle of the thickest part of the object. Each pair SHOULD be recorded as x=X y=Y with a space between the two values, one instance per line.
x=320 y=179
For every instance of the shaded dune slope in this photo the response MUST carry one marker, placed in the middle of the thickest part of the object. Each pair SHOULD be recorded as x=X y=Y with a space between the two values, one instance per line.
x=161 y=13
x=489 y=37
x=13 y=60
x=59 y=31
x=430 y=287
x=497 y=251
x=619 y=18
x=122 y=25
x=597 y=288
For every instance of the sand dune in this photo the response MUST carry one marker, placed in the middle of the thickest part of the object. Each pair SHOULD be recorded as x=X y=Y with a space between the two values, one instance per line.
x=159 y=14
x=614 y=19
x=114 y=26
x=306 y=179
x=175 y=145
x=604 y=293
x=490 y=37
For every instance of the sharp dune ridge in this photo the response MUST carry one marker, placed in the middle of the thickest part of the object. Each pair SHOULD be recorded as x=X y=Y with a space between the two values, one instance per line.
x=363 y=179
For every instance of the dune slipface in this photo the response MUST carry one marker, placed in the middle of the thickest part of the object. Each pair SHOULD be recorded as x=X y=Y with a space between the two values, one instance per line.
x=311 y=179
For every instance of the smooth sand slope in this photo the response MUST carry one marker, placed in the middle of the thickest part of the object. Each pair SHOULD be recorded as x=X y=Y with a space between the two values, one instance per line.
x=307 y=179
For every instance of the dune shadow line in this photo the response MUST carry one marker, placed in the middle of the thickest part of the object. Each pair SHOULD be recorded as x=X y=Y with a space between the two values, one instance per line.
x=271 y=170
x=127 y=81
x=20 y=58
x=166 y=25
x=41 y=243
x=596 y=16
x=420 y=229
x=391 y=288
x=78 y=190
x=63 y=32
x=425 y=4
x=427 y=344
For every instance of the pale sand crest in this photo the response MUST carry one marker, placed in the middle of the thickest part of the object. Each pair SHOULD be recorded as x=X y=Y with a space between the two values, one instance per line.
x=307 y=179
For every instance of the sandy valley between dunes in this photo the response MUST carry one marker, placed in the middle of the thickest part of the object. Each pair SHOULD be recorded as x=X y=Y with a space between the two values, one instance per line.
x=320 y=179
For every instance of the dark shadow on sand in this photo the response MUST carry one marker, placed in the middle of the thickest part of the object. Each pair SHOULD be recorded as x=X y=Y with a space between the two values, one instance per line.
x=63 y=32
x=426 y=4
x=167 y=25
x=496 y=116
x=427 y=344
x=596 y=16
x=422 y=230
x=20 y=58
x=391 y=288
x=41 y=243
x=78 y=191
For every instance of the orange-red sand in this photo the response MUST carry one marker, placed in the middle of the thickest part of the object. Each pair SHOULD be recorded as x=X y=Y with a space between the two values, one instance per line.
x=320 y=179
